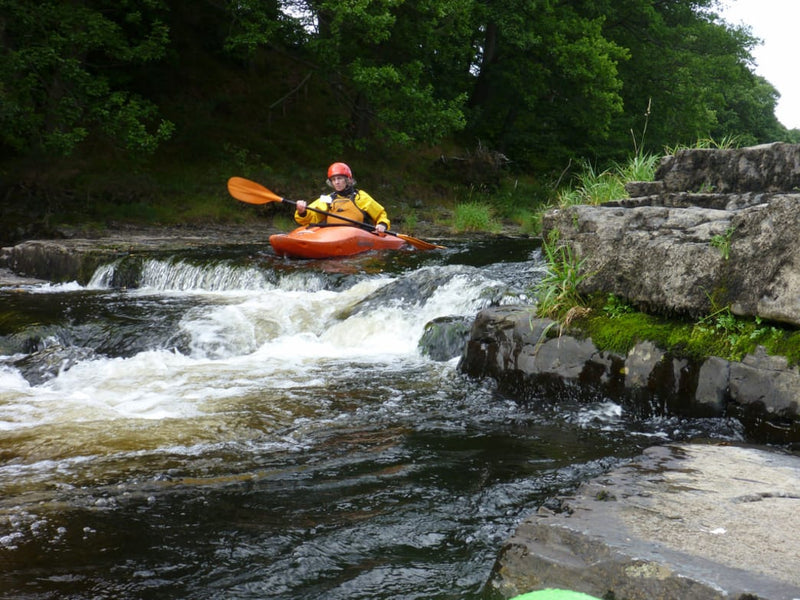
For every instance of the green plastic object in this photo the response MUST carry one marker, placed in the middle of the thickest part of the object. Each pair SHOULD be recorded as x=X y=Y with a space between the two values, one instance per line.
x=552 y=594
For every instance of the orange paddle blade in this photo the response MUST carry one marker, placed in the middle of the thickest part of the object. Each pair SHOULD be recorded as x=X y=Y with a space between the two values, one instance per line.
x=250 y=191
x=417 y=243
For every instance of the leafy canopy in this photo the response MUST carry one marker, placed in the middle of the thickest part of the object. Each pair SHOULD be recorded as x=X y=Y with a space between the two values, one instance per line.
x=543 y=81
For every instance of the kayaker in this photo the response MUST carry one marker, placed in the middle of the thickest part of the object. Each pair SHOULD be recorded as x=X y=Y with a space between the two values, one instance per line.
x=346 y=200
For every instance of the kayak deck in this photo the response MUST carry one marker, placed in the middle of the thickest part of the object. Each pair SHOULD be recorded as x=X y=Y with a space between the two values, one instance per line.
x=330 y=242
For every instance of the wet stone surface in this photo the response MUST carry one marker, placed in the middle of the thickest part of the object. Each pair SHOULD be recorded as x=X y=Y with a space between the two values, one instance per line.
x=685 y=521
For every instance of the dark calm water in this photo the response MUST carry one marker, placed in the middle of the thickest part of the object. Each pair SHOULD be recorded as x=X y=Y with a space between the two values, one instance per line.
x=244 y=427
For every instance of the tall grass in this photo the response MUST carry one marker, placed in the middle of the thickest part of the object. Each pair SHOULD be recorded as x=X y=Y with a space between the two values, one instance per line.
x=726 y=143
x=473 y=216
x=591 y=186
x=641 y=167
x=557 y=292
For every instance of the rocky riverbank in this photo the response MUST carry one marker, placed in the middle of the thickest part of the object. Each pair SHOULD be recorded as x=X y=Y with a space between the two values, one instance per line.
x=530 y=359
x=718 y=228
x=679 y=523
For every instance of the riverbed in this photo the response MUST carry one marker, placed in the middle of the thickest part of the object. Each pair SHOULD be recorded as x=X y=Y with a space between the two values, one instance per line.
x=243 y=426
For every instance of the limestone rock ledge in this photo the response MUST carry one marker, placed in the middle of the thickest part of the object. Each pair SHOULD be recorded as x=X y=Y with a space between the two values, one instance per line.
x=517 y=349
x=76 y=258
x=718 y=227
x=684 y=521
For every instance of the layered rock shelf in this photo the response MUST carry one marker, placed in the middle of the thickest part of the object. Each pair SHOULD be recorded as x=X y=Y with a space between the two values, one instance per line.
x=526 y=358
x=717 y=228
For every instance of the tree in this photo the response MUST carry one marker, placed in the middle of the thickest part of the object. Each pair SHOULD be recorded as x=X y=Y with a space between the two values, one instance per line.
x=390 y=54
x=689 y=76
x=547 y=85
x=542 y=81
x=396 y=70
x=64 y=70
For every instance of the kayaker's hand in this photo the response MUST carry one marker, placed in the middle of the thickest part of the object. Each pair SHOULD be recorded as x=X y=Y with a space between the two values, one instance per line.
x=301 y=207
x=380 y=227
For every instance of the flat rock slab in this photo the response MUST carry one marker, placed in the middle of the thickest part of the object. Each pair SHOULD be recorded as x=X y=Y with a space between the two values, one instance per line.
x=75 y=258
x=684 y=521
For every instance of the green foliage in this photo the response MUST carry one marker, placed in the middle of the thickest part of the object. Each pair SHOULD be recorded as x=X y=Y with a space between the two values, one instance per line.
x=520 y=201
x=723 y=242
x=404 y=105
x=640 y=167
x=255 y=24
x=726 y=142
x=621 y=332
x=618 y=328
x=63 y=75
x=284 y=222
x=542 y=82
x=616 y=307
x=399 y=70
x=557 y=292
x=733 y=336
x=597 y=187
x=593 y=187
x=694 y=73
x=473 y=216
x=547 y=82
x=410 y=221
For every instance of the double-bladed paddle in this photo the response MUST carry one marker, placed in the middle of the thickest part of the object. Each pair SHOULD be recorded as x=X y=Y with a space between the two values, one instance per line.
x=255 y=193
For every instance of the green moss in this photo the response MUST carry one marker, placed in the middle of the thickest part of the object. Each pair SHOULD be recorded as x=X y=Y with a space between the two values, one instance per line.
x=621 y=333
x=616 y=327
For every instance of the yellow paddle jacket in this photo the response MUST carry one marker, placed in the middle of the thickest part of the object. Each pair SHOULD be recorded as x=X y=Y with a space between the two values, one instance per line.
x=361 y=207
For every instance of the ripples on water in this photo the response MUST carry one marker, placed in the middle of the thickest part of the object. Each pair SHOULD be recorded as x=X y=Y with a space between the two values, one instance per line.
x=241 y=426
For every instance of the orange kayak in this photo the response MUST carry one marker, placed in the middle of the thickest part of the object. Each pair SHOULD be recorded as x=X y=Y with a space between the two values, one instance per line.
x=330 y=242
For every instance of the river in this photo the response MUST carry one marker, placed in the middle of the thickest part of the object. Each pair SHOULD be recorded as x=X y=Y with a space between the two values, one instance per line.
x=242 y=426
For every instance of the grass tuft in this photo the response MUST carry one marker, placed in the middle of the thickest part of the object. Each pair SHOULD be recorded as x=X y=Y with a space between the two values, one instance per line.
x=474 y=216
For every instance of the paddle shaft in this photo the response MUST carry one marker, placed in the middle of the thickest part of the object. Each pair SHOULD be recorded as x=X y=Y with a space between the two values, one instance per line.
x=335 y=216
x=255 y=193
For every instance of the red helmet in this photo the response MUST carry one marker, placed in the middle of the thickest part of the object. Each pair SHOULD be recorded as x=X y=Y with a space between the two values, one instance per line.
x=339 y=169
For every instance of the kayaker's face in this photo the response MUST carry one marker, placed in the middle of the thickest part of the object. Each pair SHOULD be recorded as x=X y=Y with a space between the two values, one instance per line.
x=339 y=182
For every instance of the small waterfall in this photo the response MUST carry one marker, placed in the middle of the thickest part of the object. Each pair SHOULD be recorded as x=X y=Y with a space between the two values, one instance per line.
x=103 y=277
x=182 y=276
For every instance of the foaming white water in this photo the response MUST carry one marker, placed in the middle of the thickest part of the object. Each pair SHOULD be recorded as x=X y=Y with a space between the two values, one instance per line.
x=102 y=277
x=258 y=357
x=235 y=347
x=608 y=415
x=274 y=318
x=178 y=275
x=49 y=288
x=142 y=387
x=395 y=328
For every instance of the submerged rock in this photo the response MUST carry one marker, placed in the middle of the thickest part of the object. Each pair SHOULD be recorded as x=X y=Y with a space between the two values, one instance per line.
x=444 y=338
x=45 y=364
